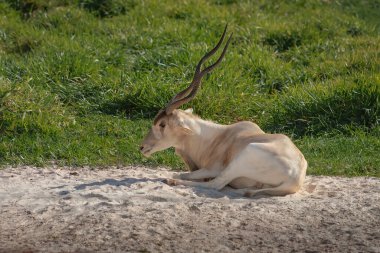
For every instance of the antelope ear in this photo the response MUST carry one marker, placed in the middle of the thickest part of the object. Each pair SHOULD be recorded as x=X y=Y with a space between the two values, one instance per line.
x=190 y=110
x=186 y=130
x=184 y=127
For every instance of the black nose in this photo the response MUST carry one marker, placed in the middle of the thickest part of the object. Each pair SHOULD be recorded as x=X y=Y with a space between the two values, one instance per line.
x=141 y=148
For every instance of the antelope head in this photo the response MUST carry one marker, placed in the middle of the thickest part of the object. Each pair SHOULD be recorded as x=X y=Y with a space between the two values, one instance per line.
x=171 y=124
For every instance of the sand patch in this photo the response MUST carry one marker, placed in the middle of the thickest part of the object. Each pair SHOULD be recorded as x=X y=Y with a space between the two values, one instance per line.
x=130 y=209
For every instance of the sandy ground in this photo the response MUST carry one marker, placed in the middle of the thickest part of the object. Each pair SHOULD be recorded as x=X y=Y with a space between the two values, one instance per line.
x=130 y=210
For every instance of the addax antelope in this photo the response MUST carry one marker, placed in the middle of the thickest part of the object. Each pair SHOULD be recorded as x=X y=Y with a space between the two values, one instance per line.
x=240 y=155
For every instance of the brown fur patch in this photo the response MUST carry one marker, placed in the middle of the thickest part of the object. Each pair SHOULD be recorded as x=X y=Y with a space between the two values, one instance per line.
x=159 y=116
x=162 y=113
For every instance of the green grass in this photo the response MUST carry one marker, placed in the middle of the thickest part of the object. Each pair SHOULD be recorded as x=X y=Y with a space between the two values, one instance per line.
x=81 y=80
x=356 y=155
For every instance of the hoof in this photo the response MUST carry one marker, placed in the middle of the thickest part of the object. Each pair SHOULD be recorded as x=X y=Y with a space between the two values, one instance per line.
x=247 y=195
x=170 y=182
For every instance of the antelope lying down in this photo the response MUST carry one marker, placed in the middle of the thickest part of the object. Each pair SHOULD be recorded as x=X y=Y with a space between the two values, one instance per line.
x=240 y=155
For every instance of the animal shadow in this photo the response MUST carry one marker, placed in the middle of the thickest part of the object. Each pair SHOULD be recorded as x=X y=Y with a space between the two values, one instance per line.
x=199 y=191
x=227 y=191
x=114 y=182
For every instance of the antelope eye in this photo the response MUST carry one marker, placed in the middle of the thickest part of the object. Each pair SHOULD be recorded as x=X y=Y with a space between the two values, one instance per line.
x=162 y=124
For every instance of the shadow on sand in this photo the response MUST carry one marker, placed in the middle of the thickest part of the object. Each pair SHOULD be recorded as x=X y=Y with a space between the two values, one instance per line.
x=114 y=182
x=227 y=192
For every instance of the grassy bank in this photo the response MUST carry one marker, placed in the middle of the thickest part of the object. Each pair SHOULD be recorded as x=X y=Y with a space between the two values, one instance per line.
x=81 y=80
